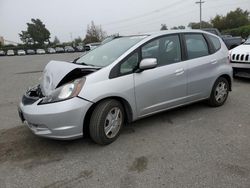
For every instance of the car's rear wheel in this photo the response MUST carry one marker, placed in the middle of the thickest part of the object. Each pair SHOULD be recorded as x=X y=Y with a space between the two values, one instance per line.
x=106 y=121
x=219 y=92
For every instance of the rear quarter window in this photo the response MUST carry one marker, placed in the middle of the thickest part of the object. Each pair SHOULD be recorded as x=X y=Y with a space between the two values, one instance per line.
x=215 y=41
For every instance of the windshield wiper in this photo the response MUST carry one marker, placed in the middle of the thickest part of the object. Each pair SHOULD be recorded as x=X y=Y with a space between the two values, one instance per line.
x=91 y=65
x=74 y=61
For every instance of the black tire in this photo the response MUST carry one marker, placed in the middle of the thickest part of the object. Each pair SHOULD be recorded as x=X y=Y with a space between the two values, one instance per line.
x=212 y=100
x=99 y=118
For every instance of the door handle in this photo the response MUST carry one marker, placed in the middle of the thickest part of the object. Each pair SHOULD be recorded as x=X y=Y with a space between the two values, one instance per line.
x=179 y=72
x=213 y=62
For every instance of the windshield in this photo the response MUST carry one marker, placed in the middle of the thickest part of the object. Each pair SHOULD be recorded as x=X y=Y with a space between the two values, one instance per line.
x=107 y=53
x=247 y=41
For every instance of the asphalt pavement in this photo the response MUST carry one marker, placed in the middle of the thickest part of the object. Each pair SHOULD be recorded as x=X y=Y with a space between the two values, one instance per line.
x=192 y=146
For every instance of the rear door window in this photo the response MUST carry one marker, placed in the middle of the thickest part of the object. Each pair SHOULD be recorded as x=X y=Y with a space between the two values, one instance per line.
x=196 y=46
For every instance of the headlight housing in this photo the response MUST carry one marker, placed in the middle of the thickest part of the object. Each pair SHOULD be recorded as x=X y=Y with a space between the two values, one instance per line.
x=64 y=92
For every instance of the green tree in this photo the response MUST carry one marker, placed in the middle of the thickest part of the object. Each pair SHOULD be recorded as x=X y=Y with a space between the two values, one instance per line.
x=164 y=27
x=36 y=33
x=94 y=34
x=77 y=40
x=56 y=41
x=26 y=38
x=219 y=22
x=233 y=19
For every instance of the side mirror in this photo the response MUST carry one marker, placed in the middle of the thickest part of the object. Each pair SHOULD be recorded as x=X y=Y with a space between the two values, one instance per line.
x=148 y=63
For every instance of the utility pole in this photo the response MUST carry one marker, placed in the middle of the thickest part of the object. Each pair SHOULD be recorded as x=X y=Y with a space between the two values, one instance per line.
x=200 y=2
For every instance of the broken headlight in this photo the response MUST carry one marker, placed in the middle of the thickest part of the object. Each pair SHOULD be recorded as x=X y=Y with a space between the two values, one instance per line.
x=64 y=92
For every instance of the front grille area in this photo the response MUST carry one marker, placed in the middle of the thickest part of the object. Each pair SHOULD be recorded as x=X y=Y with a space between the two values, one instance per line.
x=26 y=100
x=32 y=95
x=240 y=58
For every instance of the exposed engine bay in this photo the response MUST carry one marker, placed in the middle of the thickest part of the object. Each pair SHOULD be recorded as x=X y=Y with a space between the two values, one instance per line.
x=55 y=75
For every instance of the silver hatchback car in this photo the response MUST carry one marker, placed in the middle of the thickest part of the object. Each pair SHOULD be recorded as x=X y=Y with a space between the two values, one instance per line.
x=124 y=80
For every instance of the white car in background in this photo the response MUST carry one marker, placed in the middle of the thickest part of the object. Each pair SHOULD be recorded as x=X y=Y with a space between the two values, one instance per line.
x=69 y=49
x=2 y=53
x=91 y=46
x=240 y=59
x=21 y=52
x=51 y=50
x=10 y=52
x=40 y=51
x=31 y=52
x=59 y=50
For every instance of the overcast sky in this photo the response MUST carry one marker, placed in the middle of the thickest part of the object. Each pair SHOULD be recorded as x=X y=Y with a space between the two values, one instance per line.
x=66 y=17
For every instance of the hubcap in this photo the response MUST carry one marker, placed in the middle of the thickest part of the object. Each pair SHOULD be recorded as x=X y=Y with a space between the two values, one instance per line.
x=113 y=122
x=221 y=92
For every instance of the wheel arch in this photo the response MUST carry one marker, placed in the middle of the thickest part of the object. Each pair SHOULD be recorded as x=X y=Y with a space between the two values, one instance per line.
x=228 y=78
x=125 y=104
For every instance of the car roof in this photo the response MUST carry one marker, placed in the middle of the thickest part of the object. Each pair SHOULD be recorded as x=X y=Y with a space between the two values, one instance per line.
x=165 y=32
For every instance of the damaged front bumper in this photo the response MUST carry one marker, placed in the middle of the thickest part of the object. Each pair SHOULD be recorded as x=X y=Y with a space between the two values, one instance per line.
x=59 y=120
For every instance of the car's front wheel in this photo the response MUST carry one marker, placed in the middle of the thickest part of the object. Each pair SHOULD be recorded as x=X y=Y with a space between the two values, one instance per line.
x=106 y=121
x=219 y=92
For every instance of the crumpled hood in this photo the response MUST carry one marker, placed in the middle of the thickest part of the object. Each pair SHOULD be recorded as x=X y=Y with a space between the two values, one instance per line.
x=56 y=71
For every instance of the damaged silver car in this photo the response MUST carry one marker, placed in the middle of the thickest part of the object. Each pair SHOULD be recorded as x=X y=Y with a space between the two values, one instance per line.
x=124 y=80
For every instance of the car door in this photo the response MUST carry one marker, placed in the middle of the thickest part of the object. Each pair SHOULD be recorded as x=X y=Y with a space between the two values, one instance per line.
x=200 y=66
x=166 y=85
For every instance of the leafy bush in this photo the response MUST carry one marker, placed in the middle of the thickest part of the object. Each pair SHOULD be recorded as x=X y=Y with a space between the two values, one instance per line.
x=243 y=31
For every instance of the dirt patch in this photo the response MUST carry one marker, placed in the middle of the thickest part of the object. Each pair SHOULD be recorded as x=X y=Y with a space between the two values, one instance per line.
x=128 y=181
x=140 y=164
x=235 y=169
x=165 y=119
x=20 y=145
x=86 y=174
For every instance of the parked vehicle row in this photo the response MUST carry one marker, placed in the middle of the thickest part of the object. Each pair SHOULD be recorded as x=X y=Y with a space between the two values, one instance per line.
x=66 y=49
